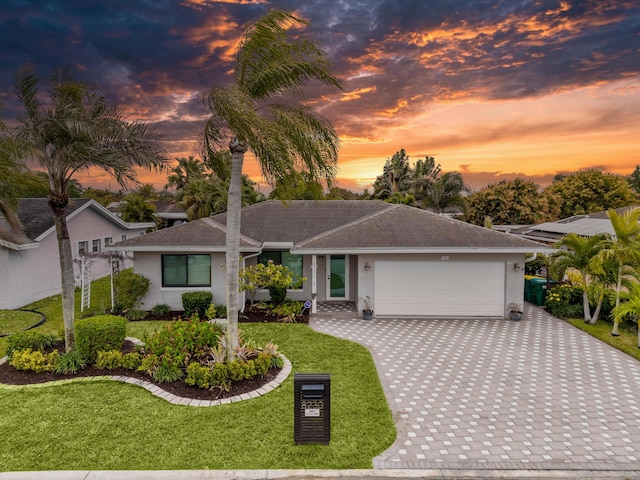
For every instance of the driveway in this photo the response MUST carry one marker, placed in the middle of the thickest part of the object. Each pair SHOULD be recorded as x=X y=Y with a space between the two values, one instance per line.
x=497 y=394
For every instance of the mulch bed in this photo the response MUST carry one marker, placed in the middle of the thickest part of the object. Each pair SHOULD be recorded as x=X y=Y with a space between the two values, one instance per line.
x=249 y=316
x=11 y=376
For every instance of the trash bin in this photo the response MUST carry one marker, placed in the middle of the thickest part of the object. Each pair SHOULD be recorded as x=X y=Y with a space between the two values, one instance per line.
x=528 y=295
x=312 y=408
x=539 y=287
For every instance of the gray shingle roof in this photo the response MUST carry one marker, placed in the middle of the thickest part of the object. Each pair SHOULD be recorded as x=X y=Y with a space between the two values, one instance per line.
x=348 y=225
x=36 y=216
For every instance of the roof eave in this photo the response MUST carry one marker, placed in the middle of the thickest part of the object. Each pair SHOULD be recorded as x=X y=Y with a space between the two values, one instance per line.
x=169 y=248
x=413 y=250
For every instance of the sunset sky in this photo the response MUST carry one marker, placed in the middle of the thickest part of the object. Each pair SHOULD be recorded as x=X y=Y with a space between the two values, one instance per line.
x=492 y=89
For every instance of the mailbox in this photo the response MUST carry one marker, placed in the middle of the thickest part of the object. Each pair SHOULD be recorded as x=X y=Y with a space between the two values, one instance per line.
x=312 y=408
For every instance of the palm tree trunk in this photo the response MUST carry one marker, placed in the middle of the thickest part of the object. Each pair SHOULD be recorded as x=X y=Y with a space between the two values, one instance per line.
x=596 y=314
x=616 y=321
x=585 y=304
x=66 y=272
x=234 y=206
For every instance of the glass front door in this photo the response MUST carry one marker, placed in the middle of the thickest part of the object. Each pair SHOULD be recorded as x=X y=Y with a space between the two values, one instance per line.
x=337 y=277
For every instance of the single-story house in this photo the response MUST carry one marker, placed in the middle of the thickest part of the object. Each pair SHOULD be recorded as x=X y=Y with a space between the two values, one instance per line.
x=583 y=225
x=29 y=260
x=403 y=260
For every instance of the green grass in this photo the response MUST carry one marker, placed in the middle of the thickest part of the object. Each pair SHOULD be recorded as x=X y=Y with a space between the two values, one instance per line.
x=626 y=342
x=13 y=321
x=110 y=425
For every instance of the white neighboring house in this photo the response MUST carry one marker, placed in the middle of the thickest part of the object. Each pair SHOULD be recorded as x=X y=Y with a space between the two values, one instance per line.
x=29 y=260
x=407 y=261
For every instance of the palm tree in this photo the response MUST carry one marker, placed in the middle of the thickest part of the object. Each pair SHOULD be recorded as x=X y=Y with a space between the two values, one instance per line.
x=443 y=192
x=630 y=307
x=137 y=209
x=10 y=169
x=75 y=130
x=186 y=170
x=577 y=252
x=623 y=248
x=263 y=111
x=396 y=177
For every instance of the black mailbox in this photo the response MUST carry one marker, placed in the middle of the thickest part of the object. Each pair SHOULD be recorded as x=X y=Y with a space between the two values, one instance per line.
x=312 y=408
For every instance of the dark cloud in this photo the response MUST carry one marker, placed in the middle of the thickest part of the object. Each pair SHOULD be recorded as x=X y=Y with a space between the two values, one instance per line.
x=156 y=57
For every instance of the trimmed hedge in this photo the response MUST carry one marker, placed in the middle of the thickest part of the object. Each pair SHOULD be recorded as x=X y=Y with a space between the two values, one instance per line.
x=196 y=302
x=100 y=333
x=35 y=341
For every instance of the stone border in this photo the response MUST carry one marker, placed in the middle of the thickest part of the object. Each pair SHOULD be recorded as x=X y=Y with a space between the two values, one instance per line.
x=158 y=391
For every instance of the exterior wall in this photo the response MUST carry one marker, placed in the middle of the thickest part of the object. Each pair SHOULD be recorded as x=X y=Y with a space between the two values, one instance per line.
x=149 y=264
x=35 y=273
x=514 y=279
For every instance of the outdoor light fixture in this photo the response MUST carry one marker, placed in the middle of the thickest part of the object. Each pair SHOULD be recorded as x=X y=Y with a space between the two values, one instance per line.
x=367 y=267
x=516 y=267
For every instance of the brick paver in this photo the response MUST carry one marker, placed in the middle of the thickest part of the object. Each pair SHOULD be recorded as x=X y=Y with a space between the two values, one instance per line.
x=480 y=393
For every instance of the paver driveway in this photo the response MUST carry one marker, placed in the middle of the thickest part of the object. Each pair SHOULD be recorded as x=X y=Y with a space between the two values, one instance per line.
x=474 y=393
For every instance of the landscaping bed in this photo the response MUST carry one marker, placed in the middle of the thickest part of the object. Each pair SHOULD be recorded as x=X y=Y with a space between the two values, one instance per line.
x=11 y=376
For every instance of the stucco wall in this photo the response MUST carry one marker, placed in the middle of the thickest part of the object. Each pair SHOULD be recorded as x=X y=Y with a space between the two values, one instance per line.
x=35 y=273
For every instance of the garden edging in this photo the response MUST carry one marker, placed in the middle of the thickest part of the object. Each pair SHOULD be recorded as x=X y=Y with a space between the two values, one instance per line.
x=159 y=392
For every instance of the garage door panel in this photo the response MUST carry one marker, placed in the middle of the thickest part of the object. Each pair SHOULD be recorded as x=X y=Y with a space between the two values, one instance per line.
x=439 y=288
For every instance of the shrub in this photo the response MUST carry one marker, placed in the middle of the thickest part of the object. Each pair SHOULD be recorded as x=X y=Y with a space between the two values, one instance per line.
x=221 y=311
x=129 y=289
x=34 y=361
x=109 y=360
x=134 y=315
x=167 y=371
x=262 y=363
x=198 y=375
x=278 y=294
x=131 y=361
x=288 y=311
x=196 y=302
x=34 y=340
x=160 y=309
x=70 y=362
x=106 y=332
x=564 y=301
x=183 y=342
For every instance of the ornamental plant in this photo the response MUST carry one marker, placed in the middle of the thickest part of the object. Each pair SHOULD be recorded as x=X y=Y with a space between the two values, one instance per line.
x=275 y=278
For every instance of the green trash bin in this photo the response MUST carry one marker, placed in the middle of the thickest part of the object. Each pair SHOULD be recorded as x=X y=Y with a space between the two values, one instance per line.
x=539 y=288
x=528 y=294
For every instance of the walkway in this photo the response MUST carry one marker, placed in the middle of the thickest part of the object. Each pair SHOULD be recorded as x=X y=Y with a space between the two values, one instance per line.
x=495 y=394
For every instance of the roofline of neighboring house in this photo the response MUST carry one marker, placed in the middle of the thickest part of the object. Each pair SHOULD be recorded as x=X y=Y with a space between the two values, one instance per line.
x=437 y=250
x=175 y=216
x=16 y=246
x=169 y=248
x=105 y=213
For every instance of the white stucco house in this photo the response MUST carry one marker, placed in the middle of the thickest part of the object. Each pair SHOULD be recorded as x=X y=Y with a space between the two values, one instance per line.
x=29 y=260
x=407 y=261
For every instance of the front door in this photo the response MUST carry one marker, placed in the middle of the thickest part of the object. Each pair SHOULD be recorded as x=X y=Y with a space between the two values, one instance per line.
x=337 y=277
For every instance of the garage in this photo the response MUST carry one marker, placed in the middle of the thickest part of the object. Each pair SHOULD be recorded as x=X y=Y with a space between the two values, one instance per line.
x=439 y=288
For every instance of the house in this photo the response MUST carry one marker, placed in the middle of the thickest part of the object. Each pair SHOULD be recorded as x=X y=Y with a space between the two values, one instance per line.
x=29 y=260
x=407 y=261
x=583 y=225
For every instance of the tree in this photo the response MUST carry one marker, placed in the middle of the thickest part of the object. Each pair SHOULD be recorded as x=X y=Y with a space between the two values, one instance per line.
x=443 y=192
x=397 y=176
x=623 y=249
x=577 y=252
x=630 y=307
x=591 y=191
x=510 y=202
x=339 y=193
x=204 y=197
x=10 y=169
x=295 y=187
x=634 y=180
x=187 y=169
x=137 y=209
x=103 y=197
x=263 y=111
x=76 y=130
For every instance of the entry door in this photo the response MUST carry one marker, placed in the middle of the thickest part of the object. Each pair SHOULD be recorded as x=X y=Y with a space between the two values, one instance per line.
x=337 y=277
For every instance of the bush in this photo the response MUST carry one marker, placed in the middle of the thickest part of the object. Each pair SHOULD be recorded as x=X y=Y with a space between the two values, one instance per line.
x=184 y=342
x=160 y=309
x=288 y=311
x=197 y=375
x=34 y=361
x=129 y=289
x=70 y=362
x=196 y=302
x=564 y=301
x=221 y=311
x=167 y=371
x=134 y=315
x=109 y=360
x=106 y=332
x=33 y=340
x=278 y=294
x=131 y=361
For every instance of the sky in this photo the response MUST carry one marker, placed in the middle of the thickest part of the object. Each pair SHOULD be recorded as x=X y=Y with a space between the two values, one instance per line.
x=492 y=89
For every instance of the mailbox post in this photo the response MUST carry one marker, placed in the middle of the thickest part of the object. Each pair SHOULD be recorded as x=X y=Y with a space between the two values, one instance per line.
x=312 y=408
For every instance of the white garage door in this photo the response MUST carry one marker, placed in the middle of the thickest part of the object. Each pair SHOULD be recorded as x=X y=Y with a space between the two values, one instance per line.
x=439 y=288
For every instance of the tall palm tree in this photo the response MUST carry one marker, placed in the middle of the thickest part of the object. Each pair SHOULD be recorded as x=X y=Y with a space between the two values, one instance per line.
x=577 y=252
x=10 y=169
x=443 y=192
x=263 y=111
x=623 y=248
x=630 y=307
x=137 y=209
x=75 y=130
x=185 y=171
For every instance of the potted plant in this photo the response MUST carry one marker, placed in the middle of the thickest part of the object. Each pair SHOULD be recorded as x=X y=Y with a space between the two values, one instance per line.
x=367 y=312
x=515 y=311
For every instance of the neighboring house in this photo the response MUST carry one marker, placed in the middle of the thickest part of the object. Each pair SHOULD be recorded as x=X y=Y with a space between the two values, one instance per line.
x=29 y=260
x=407 y=261
x=583 y=225
x=170 y=212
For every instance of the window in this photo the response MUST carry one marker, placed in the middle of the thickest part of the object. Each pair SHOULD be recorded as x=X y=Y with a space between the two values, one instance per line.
x=186 y=270
x=123 y=237
x=83 y=248
x=290 y=260
x=108 y=241
x=95 y=246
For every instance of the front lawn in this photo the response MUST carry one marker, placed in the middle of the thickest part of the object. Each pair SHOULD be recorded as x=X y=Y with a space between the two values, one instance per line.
x=13 y=321
x=626 y=342
x=110 y=425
